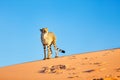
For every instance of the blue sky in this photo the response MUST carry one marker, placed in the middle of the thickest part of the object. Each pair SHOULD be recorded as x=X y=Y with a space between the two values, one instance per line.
x=80 y=26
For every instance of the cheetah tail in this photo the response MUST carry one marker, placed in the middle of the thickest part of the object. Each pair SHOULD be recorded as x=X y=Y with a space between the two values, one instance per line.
x=60 y=50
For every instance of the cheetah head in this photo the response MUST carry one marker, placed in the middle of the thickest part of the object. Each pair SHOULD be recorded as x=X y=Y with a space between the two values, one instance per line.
x=44 y=30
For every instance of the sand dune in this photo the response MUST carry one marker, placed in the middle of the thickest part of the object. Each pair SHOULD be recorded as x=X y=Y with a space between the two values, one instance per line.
x=101 y=65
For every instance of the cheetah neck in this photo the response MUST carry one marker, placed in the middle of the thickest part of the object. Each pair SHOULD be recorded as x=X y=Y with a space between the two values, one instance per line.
x=44 y=35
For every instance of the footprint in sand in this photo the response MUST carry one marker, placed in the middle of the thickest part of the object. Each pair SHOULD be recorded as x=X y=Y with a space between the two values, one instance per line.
x=53 y=69
x=117 y=70
x=98 y=79
x=105 y=79
x=89 y=71
x=97 y=63
x=44 y=70
x=73 y=76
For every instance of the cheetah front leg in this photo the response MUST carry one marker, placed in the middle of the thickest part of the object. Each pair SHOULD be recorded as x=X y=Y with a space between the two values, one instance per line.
x=44 y=52
x=49 y=52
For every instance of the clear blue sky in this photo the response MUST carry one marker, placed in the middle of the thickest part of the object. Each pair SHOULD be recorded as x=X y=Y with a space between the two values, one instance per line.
x=80 y=26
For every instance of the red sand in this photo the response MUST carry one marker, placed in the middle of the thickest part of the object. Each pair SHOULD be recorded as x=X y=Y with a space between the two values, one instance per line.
x=101 y=65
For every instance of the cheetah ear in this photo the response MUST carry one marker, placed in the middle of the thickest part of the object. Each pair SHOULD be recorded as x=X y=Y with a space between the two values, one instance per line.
x=41 y=30
x=46 y=28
